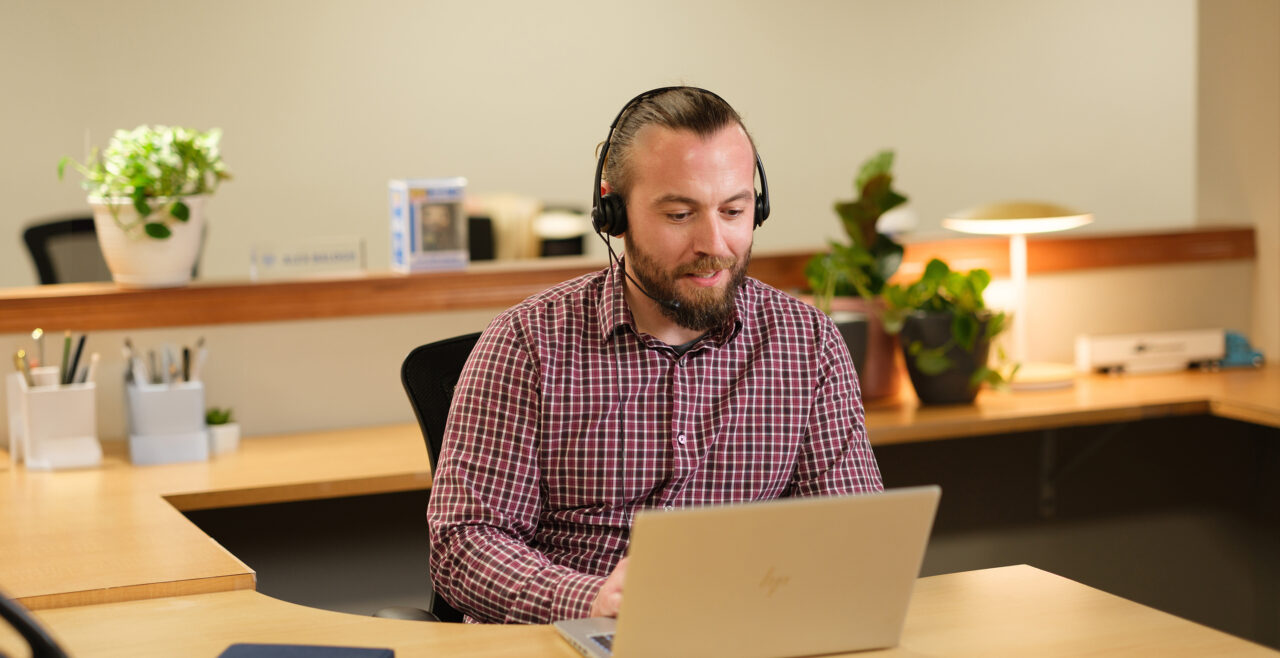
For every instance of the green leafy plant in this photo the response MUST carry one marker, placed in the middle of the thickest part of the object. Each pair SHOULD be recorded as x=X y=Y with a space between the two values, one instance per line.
x=862 y=266
x=942 y=290
x=217 y=416
x=150 y=164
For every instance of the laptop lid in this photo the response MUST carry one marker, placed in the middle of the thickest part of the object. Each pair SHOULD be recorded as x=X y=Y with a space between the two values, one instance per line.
x=791 y=577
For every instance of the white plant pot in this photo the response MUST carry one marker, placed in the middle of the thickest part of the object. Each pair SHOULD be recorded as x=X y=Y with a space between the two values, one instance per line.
x=224 y=438
x=137 y=260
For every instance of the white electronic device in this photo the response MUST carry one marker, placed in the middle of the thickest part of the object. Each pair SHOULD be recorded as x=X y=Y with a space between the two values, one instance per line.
x=1163 y=351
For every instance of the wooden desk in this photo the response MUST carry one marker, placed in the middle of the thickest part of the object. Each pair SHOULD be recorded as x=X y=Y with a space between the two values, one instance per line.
x=1011 y=611
x=1251 y=396
x=115 y=533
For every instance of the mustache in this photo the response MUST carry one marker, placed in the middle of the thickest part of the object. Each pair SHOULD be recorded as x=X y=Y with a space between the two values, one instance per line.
x=707 y=264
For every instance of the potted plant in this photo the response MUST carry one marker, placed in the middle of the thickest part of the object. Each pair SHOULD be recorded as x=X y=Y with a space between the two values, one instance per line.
x=224 y=432
x=851 y=276
x=148 y=191
x=947 y=331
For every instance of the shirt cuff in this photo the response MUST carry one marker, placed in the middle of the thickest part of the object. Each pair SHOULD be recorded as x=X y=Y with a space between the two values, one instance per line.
x=557 y=593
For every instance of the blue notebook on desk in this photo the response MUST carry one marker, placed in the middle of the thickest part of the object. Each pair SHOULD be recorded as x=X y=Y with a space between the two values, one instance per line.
x=302 y=651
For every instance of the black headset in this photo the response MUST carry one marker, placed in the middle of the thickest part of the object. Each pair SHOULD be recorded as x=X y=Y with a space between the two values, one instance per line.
x=609 y=212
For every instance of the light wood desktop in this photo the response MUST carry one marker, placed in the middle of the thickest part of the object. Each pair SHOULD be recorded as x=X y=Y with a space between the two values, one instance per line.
x=116 y=533
x=1010 y=611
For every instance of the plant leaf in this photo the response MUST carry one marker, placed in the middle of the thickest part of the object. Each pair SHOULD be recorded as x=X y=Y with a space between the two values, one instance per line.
x=140 y=204
x=180 y=211
x=933 y=361
x=157 y=230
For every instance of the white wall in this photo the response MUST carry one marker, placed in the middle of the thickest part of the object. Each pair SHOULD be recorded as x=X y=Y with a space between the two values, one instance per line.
x=1090 y=103
x=1238 y=168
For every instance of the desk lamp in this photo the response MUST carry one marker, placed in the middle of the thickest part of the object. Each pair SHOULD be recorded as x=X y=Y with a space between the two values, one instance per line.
x=1016 y=219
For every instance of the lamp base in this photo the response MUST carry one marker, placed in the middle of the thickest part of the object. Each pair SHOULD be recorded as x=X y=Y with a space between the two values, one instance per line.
x=1043 y=377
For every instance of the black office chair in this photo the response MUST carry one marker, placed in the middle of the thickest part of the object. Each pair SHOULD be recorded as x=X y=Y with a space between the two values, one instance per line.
x=39 y=643
x=66 y=251
x=429 y=375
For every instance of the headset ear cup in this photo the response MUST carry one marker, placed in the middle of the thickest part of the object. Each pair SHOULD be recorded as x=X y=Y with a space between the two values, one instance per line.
x=762 y=209
x=613 y=215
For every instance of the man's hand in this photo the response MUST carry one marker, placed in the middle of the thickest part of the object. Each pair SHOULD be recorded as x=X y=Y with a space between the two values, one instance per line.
x=609 y=599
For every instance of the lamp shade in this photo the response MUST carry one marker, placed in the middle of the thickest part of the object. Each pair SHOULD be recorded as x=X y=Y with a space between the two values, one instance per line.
x=1016 y=218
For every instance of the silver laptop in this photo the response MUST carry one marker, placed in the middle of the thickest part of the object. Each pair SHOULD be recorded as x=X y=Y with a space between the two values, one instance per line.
x=792 y=577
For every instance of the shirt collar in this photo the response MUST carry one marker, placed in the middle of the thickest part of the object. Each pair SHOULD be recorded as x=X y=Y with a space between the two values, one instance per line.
x=613 y=311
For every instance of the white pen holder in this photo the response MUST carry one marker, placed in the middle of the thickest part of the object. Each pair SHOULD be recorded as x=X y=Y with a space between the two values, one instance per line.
x=166 y=423
x=51 y=426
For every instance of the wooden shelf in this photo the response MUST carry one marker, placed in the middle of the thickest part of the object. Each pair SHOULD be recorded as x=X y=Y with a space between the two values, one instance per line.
x=99 y=306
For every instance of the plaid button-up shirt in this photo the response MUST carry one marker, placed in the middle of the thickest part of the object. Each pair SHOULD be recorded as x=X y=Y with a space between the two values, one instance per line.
x=566 y=421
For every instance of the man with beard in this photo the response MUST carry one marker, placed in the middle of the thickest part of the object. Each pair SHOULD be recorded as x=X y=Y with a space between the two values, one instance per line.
x=669 y=380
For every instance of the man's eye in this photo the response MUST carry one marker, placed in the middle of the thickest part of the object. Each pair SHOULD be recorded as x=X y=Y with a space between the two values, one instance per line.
x=734 y=212
x=677 y=216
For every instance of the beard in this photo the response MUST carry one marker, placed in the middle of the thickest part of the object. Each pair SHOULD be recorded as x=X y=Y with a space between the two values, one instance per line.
x=702 y=309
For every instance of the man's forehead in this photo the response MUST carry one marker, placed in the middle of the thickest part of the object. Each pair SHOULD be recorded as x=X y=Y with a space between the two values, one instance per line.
x=660 y=148
x=655 y=133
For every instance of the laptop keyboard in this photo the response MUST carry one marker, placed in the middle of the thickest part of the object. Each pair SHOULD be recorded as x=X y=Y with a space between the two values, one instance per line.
x=605 y=641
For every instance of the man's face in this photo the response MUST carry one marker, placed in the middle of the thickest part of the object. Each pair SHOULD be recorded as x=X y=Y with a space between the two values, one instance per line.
x=690 y=212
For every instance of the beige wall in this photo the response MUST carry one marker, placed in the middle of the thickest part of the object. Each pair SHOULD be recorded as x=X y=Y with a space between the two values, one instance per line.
x=1238 y=168
x=1088 y=102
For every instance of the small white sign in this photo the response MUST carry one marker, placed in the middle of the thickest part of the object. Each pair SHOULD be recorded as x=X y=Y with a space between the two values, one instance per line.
x=307 y=257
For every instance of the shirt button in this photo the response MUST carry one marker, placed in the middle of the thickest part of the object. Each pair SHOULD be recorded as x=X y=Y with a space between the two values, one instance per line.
x=680 y=439
x=668 y=507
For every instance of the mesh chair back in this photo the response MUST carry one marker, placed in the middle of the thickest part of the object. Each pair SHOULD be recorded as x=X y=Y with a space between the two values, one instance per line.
x=429 y=375
x=66 y=251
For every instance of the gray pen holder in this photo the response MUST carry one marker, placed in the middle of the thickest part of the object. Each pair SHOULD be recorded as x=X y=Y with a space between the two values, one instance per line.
x=166 y=423
x=51 y=426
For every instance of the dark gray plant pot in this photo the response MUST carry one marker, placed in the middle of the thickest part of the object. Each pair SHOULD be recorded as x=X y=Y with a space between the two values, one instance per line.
x=952 y=385
x=853 y=328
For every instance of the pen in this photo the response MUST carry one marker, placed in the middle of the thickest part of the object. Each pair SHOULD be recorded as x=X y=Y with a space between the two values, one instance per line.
x=140 y=377
x=75 y=360
x=155 y=367
x=38 y=337
x=90 y=370
x=186 y=363
x=20 y=362
x=66 y=358
x=202 y=353
x=166 y=366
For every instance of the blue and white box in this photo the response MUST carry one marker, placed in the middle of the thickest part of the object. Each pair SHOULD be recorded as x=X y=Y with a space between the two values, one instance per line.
x=428 y=224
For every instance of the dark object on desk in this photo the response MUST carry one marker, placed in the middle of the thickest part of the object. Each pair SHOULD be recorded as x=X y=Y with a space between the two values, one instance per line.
x=302 y=651
x=66 y=251
x=953 y=385
x=429 y=375
x=561 y=246
x=854 y=328
x=480 y=238
x=39 y=640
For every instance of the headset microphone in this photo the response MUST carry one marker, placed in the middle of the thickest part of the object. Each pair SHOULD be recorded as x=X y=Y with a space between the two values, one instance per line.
x=672 y=304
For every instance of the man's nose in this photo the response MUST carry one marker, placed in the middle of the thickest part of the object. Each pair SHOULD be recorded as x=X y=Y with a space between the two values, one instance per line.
x=709 y=238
